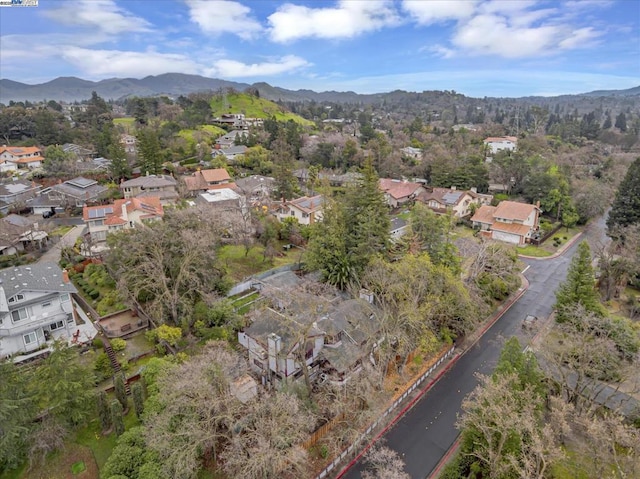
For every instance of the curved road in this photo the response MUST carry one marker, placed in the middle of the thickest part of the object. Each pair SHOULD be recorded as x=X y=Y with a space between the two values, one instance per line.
x=427 y=431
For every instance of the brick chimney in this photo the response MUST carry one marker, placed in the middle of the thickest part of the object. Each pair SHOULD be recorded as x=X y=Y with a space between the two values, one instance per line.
x=65 y=276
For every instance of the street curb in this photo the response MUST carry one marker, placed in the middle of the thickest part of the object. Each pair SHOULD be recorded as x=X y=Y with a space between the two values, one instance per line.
x=567 y=245
x=400 y=414
x=492 y=320
x=456 y=444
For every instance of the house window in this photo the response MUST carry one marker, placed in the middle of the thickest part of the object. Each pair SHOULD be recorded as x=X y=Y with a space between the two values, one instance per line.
x=293 y=213
x=30 y=338
x=305 y=215
x=19 y=314
x=258 y=363
x=64 y=298
x=17 y=297
x=56 y=325
x=46 y=305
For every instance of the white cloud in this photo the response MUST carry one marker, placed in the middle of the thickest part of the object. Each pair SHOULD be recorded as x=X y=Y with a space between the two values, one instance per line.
x=434 y=11
x=492 y=35
x=346 y=20
x=226 y=68
x=218 y=17
x=105 y=63
x=102 y=15
x=441 y=51
x=580 y=38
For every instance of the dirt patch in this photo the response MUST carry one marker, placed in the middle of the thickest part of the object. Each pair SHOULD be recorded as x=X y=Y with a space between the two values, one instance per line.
x=59 y=467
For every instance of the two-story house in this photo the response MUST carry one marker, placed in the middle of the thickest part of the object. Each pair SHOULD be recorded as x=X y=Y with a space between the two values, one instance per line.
x=399 y=192
x=329 y=338
x=129 y=143
x=162 y=186
x=306 y=210
x=510 y=221
x=494 y=144
x=24 y=157
x=36 y=305
x=451 y=200
x=122 y=214
x=205 y=180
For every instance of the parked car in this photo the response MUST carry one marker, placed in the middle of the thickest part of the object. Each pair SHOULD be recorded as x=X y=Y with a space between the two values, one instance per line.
x=49 y=214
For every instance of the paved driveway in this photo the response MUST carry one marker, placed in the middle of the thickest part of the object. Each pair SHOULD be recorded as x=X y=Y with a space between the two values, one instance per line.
x=69 y=239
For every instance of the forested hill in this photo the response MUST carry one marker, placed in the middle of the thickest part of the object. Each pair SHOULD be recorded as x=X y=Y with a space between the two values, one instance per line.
x=71 y=89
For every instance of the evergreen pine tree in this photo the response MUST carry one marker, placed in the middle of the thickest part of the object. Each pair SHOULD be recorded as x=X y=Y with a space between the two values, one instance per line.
x=149 y=151
x=579 y=287
x=104 y=412
x=625 y=210
x=120 y=390
x=138 y=398
x=116 y=417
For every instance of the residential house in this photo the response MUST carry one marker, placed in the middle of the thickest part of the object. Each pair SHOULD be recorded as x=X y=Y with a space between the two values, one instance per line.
x=411 y=152
x=334 y=179
x=494 y=144
x=256 y=188
x=122 y=214
x=451 y=200
x=399 y=192
x=129 y=143
x=77 y=152
x=162 y=186
x=6 y=166
x=18 y=233
x=204 y=180
x=398 y=228
x=510 y=221
x=37 y=305
x=228 y=140
x=76 y=192
x=222 y=199
x=307 y=210
x=230 y=153
x=16 y=192
x=24 y=157
x=328 y=339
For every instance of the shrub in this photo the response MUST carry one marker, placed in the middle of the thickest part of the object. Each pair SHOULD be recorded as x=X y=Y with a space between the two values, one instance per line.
x=118 y=344
x=97 y=343
x=94 y=294
x=102 y=367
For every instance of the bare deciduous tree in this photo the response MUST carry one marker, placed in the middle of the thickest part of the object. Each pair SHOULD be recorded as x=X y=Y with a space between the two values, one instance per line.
x=384 y=463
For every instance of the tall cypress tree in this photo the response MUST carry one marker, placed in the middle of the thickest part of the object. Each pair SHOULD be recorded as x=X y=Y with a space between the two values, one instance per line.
x=138 y=398
x=579 y=288
x=120 y=390
x=116 y=417
x=626 y=206
x=104 y=412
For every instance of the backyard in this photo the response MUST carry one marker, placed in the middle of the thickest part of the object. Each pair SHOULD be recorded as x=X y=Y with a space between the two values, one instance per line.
x=240 y=265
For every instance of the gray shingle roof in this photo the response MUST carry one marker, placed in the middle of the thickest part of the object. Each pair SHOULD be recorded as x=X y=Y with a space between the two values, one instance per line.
x=34 y=277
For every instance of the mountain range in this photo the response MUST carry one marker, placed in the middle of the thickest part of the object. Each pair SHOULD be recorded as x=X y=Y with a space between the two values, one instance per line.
x=70 y=89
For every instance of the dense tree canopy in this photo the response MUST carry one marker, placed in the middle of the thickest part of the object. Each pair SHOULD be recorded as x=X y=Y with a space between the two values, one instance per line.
x=626 y=206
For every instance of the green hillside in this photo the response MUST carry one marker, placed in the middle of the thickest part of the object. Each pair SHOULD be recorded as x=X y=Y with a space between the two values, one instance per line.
x=252 y=107
x=203 y=132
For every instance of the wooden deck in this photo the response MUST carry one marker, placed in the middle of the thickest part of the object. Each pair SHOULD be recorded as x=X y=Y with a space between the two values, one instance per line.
x=122 y=323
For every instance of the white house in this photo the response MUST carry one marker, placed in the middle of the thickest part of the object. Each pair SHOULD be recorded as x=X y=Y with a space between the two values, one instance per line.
x=307 y=210
x=29 y=157
x=496 y=143
x=451 y=200
x=510 y=221
x=36 y=305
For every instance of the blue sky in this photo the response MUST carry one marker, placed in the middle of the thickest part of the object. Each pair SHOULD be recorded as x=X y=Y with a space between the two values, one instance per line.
x=477 y=47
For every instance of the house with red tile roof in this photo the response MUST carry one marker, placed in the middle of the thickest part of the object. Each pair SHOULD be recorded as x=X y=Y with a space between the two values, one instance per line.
x=122 y=214
x=307 y=210
x=24 y=157
x=510 y=221
x=399 y=192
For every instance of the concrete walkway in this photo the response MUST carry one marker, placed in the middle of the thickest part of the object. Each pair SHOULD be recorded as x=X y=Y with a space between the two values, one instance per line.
x=68 y=240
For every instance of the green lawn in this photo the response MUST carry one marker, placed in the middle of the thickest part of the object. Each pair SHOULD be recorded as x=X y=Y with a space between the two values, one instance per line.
x=100 y=445
x=128 y=123
x=531 y=250
x=61 y=230
x=209 y=132
x=253 y=107
x=240 y=266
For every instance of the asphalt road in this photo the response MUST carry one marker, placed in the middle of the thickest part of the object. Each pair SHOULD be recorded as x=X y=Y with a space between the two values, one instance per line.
x=427 y=431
